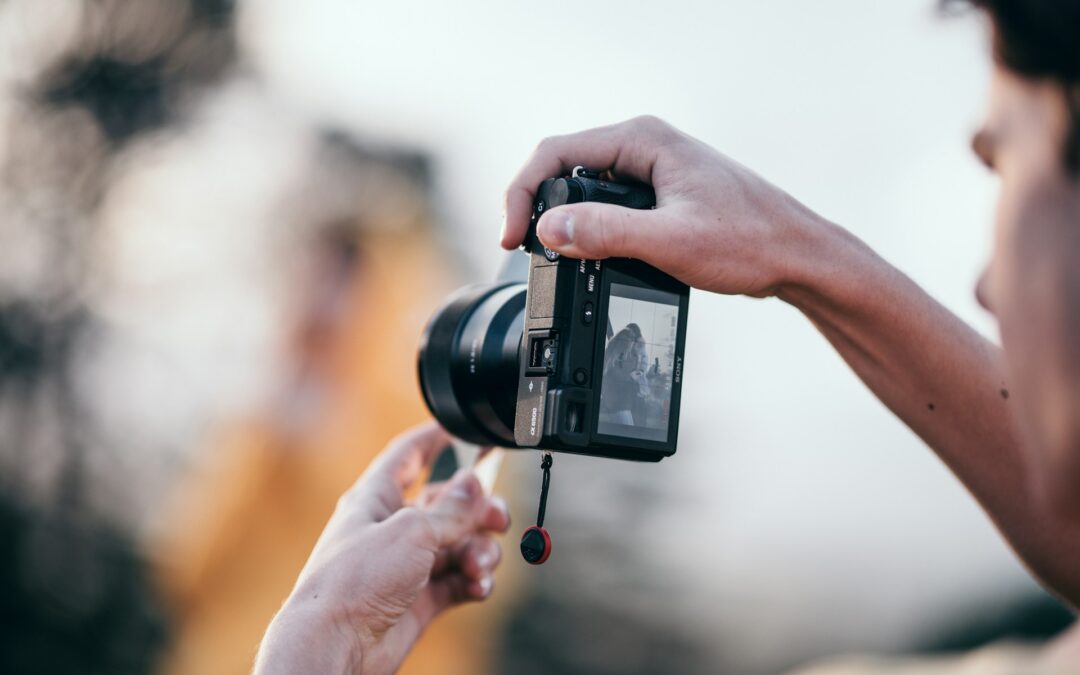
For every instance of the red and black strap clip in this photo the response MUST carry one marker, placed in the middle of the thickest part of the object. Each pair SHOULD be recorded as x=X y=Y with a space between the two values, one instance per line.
x=536 y=542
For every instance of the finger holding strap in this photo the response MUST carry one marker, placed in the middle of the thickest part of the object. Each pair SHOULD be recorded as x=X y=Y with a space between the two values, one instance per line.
x=458 y=511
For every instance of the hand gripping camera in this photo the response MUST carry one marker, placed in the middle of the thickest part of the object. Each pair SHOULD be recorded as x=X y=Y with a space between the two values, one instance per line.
x=587 y=357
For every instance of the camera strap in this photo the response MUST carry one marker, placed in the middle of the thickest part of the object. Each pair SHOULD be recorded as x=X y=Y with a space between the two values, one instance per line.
x=545 y=465
x=536 y=542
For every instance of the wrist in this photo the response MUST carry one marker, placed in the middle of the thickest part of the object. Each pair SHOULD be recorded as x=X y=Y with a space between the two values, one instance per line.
x=822 y=264
x=306 y=636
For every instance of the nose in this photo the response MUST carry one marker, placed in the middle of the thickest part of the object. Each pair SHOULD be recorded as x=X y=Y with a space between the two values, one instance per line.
x=982 y=291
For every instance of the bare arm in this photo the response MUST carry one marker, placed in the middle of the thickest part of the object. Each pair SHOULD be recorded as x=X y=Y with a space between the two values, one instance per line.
x=946 y=382
x=720 y=227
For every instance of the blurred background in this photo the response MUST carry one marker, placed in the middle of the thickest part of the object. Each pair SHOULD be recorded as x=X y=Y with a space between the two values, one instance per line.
x=223 y=226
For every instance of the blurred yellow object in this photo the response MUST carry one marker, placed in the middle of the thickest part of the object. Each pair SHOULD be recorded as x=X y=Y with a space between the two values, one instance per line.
x=243 y=525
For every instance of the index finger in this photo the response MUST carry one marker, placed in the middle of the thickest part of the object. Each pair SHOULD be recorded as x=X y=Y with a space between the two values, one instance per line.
x=408 y=455
x=622 y=148
x=380 y=490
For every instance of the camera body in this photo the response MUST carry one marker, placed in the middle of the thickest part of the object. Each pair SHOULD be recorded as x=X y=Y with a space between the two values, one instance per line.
x=601 y=362
x=587 y=357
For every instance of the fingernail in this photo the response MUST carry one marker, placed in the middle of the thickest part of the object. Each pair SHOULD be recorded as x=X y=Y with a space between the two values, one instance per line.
x=558 y=229
x=484 y=560
x=485 y=586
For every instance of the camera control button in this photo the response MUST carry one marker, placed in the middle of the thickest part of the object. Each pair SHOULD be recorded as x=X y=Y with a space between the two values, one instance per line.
x=550 y=255
x=580 y=376
x=587 y=313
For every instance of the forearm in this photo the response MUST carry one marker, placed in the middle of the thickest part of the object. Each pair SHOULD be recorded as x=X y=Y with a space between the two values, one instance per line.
x=942 y=379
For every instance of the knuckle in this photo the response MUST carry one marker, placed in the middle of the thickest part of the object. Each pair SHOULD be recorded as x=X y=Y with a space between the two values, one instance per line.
x=652 y=127
x=414 y=524
x=508 y=197
x=546 y=145
x=346 y=500
x=651 y=123
x=354 y=497
x=350 y=493
x=620 y=235
x=613 y=234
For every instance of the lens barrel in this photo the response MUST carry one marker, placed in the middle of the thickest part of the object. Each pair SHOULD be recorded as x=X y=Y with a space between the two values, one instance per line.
x=468 y=362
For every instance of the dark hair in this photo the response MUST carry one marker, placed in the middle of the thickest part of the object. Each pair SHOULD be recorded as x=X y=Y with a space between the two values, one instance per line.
x=1040 y=40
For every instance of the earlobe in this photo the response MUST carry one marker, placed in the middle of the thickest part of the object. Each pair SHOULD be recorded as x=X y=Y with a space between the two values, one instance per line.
x=983 y=291
x=982 y=144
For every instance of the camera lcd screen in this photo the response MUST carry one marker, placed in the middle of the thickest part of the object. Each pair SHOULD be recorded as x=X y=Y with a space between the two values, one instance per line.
x=639 y=358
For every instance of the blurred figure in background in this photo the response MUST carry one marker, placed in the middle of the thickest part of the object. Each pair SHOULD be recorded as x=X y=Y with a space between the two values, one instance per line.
x=245 y=523
x=208 y=318
x=79 y=83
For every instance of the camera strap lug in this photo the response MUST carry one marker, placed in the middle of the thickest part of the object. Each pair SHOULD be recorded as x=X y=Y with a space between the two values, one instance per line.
x=582 y=172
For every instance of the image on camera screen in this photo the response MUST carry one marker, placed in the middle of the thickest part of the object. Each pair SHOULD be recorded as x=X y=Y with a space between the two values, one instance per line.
x=639 y=358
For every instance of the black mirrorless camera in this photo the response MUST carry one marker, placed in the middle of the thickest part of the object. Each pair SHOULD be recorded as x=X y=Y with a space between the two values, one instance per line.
x=586 y=358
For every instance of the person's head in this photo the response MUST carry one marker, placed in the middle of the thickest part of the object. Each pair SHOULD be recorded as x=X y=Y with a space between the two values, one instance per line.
x=620 y=354
x=1031 y=140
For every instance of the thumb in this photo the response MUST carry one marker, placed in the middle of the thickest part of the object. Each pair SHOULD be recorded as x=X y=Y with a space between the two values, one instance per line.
x=593 y=230
x=455 y=513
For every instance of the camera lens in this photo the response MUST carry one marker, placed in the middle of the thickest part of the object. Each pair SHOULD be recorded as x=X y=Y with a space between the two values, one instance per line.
x=468 y=362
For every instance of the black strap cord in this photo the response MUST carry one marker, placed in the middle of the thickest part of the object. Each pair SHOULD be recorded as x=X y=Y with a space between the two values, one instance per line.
x=545 y=464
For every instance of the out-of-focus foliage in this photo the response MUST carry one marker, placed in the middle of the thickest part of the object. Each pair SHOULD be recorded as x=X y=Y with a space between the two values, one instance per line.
x=79 y=81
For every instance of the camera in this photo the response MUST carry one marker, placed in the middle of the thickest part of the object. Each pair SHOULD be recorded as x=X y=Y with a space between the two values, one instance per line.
x=586 y=357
